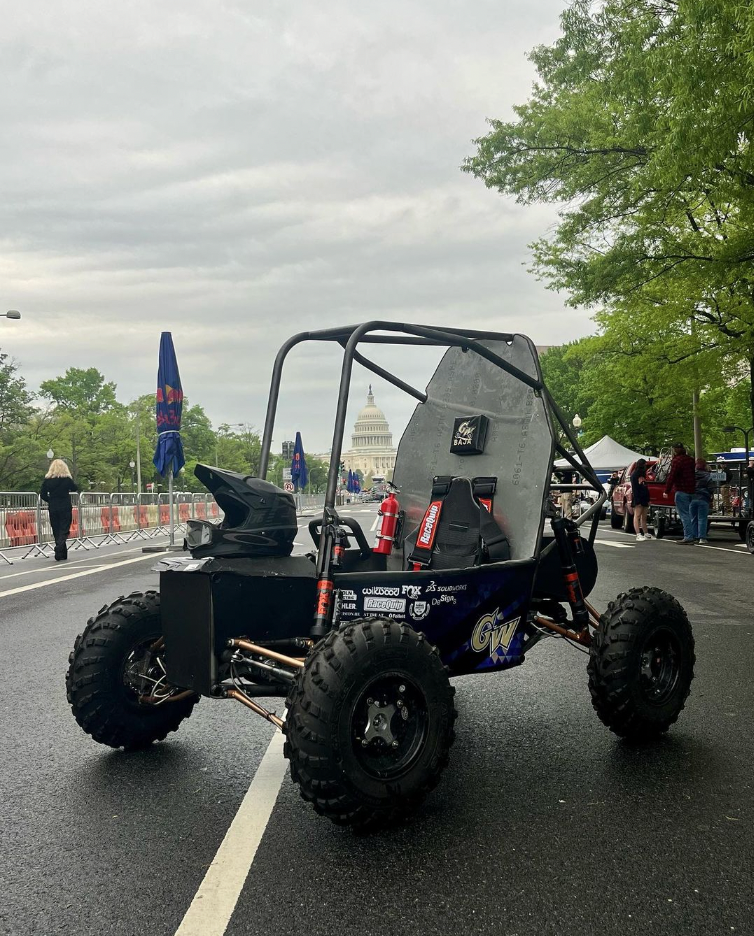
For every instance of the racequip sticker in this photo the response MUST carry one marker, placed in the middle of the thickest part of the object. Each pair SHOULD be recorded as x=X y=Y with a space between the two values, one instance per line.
x=493 y=633
x=429 y=525
x=390 y=605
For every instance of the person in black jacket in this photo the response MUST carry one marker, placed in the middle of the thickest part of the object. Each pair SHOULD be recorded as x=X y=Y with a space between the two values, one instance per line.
x=56 y=490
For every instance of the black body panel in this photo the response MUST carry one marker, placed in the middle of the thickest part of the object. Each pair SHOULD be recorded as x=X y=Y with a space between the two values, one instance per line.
x=206 y=602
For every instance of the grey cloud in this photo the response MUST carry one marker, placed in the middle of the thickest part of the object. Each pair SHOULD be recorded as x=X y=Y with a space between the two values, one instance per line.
x=236 y=173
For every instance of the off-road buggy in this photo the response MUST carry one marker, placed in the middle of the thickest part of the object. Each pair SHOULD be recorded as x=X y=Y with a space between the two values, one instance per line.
x=363 y=644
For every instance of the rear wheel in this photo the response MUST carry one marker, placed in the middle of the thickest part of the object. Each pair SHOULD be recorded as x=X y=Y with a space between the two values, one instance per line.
x=641 y=663
x=750 y=536
x=628 y=519
x=370 y=723
x=660 y=526
x=116 y=683
x=616 y=520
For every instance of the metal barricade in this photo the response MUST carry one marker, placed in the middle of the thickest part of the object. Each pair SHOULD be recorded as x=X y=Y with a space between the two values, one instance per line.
x=19 y=523
x=97 y=518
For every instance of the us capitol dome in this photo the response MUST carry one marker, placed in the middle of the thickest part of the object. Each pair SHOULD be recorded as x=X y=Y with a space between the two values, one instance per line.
x=371 y=451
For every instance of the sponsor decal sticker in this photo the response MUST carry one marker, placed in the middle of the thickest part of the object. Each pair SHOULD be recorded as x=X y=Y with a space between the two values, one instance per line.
x=388 y=605
x=493 y=634
x=382 y=590
x=418 y=610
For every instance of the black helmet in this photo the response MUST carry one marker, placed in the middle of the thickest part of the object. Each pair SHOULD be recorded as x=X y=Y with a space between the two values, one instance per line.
x=260 y=519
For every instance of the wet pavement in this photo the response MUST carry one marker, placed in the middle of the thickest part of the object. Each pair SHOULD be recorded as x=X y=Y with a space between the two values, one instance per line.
x=544 y=823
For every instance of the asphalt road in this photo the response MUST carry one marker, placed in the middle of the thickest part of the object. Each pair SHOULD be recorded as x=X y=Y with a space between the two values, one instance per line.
x=544 y=823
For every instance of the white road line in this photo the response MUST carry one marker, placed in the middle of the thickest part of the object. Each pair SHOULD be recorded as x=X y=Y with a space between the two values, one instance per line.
x=72 y=564
x=721 y=548
x=74 y=575
x=616 y=545
x=216 y=899
x=374 y=525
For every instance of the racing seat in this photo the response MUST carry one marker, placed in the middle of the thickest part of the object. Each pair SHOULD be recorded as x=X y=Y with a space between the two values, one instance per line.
x=457 y=530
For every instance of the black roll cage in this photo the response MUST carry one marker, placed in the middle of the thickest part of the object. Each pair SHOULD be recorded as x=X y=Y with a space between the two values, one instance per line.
x=349 y=337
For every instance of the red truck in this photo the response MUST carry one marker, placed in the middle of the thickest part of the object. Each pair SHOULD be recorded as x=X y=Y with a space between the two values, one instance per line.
x=623 y=503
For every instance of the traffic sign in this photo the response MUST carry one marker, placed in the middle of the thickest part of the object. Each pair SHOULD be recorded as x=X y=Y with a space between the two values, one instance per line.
x=288 y=486
x=287 y=475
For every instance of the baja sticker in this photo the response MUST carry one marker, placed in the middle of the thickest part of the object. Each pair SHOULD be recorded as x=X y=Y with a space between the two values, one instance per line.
x=418 y=610
x=493 y=633
x=391 y=605
x=382 y=590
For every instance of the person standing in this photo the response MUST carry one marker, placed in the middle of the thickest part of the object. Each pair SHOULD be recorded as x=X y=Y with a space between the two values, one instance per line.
x=700 y=501
x=640 y=497
x=682 y=479
x=57 y=488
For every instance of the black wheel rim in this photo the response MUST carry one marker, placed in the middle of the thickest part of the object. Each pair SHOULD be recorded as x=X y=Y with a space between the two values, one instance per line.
x=143 y=675
x=389 y=724
x=660 y=665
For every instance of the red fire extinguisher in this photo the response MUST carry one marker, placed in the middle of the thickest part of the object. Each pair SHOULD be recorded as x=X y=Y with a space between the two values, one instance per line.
x=386 y=534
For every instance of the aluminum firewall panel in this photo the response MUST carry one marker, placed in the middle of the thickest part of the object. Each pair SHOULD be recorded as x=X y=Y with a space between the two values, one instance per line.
x=518 y=449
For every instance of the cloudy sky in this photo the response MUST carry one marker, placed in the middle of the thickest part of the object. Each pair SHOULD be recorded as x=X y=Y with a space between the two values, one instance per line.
x=236 y=172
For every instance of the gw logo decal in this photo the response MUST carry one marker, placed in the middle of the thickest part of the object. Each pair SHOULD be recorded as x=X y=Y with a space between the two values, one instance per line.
x=494 y=633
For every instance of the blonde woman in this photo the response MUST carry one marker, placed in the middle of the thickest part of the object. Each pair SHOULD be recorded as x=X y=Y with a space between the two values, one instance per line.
x=56 y=490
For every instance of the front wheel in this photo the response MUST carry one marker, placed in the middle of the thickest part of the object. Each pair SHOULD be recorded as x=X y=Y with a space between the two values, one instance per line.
x=628 y=519
x=641 y=663
x=660 y=526
x=116 y=682
x=616 y=520
x=370 y=723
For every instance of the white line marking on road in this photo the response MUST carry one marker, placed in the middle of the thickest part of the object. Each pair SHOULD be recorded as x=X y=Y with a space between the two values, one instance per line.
x=721 y=548
x=74 y=564
x=616 y=545
x=374 y=525
x=74 y=575
x=216 y=899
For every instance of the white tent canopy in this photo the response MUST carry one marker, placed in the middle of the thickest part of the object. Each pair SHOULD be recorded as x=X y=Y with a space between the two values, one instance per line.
x=605 y=455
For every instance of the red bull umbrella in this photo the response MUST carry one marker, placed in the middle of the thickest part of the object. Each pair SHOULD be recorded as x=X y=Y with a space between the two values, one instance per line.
x=169 y=407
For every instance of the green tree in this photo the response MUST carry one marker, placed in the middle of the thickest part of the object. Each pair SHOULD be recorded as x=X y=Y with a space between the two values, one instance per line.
x=84 y=392
x=640 y=128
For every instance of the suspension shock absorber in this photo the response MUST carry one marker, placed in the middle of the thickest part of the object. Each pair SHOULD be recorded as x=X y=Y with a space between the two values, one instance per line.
x=565 y=541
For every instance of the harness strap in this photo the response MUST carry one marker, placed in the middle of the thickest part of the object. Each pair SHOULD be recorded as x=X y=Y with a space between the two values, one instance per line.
x=421 y=555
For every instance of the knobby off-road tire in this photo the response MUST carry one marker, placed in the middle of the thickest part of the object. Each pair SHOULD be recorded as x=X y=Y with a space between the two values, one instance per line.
x=100 y=681
x=641 y=663
x=343 y=766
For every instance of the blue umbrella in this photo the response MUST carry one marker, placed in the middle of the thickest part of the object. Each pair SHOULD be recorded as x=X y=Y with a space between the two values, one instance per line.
x=168 y=456
x=299 y=473
x=169 y=407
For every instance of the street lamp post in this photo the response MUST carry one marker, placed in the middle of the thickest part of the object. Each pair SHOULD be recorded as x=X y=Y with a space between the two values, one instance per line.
x=132 y=465
x=745 y=432
x=11 y=314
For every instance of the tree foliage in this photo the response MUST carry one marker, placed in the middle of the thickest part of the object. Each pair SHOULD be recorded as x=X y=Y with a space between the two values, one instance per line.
x=640 y=127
